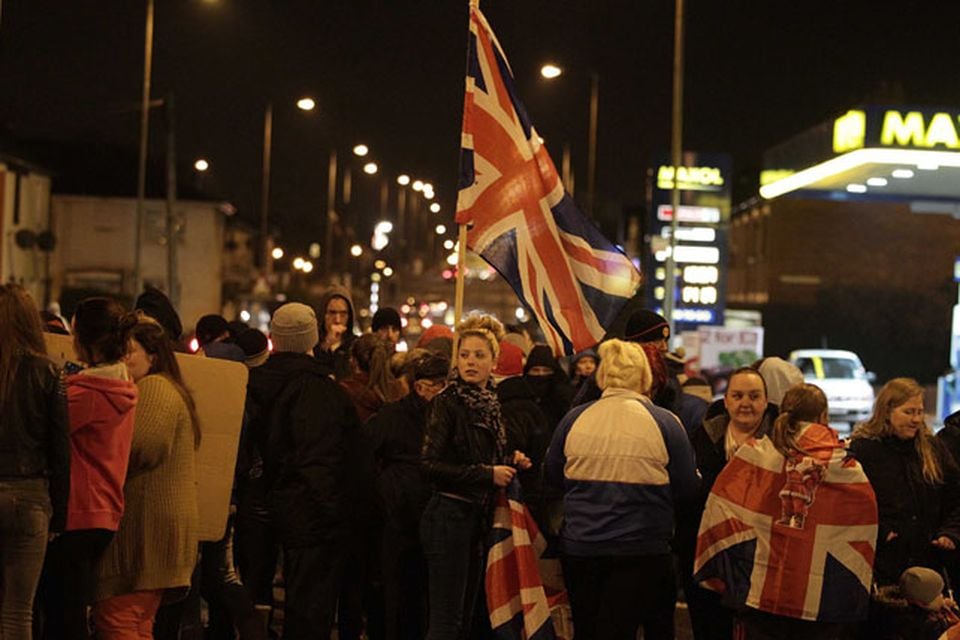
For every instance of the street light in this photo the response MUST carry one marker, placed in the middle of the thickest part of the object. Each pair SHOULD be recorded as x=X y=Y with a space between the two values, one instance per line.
x=304 y=104
x=403 y=180
x=551 y=71
x=356 y=251
x=370 y=168
x=361 y=150
x=440 y=229
x=435 y=207
x=298 y=263
x=201 y=165
x=418 y=185
x=277 y=253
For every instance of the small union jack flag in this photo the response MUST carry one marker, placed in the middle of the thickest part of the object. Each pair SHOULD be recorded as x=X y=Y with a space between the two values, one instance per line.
x=791 y=536
x=523 y=222
x=526 y=598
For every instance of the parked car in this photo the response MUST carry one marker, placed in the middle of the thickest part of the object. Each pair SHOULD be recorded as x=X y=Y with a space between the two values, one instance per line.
x=843 y=379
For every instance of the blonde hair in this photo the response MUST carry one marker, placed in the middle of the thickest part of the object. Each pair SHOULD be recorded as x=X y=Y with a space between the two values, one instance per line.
x=483 y=326
x=802 y=403
x=623 y=365
x=892 y=395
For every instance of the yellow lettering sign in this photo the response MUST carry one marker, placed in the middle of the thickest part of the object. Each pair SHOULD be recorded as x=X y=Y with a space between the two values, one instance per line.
x=691 y=178
x=849 y=131
x=911 y=130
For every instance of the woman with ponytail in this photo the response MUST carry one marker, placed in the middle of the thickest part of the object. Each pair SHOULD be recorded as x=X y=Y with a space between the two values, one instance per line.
x=101 y=400
x=371 y=383
x=915 y=479
x=155 y=549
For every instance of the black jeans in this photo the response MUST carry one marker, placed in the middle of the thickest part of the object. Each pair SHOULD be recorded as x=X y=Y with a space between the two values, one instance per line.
x=452 y=532
x=68 y=584
x=612 y=596
x=312 y=578
x=255 y=543
x=404 y=573
x=24 y=522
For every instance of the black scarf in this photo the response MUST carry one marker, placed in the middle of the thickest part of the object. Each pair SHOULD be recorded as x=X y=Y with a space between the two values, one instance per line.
x=484 y=408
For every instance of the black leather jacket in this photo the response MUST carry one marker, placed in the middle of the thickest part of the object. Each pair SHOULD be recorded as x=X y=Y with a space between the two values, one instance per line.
x=34 y=434
x=458 y=452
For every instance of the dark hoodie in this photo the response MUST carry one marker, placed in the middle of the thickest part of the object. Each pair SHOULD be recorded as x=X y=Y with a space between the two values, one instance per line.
x=337 y=360
x=552 y=393
x=101 y=412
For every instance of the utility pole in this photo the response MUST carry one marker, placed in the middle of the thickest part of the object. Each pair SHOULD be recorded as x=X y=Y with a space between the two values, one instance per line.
x=173 y=221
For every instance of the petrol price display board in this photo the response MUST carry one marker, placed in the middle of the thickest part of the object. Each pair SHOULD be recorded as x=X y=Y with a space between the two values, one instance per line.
x=700 y=249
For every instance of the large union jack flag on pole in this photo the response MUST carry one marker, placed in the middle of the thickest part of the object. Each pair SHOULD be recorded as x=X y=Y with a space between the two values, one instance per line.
x=791 y=536
x=523 y=222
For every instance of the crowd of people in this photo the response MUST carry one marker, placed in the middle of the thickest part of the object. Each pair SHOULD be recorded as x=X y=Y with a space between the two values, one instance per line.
x=365 y=479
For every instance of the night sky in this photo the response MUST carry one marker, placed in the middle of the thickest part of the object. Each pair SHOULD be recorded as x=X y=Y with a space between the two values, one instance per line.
x=391 y=74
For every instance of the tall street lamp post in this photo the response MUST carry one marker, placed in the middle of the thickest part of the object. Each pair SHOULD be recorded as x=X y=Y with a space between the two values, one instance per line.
x=551 y=71
x=304 y=104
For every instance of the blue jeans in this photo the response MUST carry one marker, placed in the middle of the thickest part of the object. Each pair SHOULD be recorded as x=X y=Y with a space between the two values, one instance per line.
x=24 y=524
x=452 y=533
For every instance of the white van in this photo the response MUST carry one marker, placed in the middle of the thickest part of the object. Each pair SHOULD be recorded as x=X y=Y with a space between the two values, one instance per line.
x=843 y=379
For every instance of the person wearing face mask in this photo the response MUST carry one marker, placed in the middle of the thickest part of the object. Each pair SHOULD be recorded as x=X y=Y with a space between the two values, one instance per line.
x=915 y=480
x=546 y=379
x=747 y=414
x=465 y=458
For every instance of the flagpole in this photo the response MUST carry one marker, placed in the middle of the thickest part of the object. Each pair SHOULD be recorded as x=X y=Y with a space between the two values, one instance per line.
x=676 y=152
x=461 y=243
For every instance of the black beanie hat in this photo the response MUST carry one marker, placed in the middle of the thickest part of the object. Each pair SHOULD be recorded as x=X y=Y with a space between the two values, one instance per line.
x=210 y=327
x=540 y=356
x=155 y=304
x=646 y=326
x=386 y=317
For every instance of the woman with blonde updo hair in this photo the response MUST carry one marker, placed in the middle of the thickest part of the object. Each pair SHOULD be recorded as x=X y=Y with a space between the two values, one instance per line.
x=466 y=459
x=621 y=463
x=916 y=481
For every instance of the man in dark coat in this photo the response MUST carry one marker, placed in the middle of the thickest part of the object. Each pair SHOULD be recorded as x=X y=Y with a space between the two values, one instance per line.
x=307 y=428
x=395 y=434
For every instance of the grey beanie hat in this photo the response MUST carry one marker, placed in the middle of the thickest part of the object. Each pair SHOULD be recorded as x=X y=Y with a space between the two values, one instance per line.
x=294 y=328
x=921 y=586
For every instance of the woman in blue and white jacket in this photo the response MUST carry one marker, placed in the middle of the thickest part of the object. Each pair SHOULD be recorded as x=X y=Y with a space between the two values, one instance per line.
x=621 y=463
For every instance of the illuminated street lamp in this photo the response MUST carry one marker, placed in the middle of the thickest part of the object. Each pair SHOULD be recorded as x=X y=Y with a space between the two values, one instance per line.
x=440 y=229
x=298 y=263
x=361 y=150
x=307 y=266
x=418 y=185
x=277 y=253
x=380 y=264
x=370 y=168
x=356 y=251
x=550 y=71
x=387 y=272
x=201 y=165
x=435 y=207
x=383 y=227
x=304 y=104
x=403 y=180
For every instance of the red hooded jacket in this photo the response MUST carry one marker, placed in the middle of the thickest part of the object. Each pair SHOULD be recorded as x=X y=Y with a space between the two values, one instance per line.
x=101 y=414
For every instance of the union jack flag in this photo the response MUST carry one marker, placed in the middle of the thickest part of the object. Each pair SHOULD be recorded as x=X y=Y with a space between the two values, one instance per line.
x=523 y=222
x=794 y=537
x=526 y=597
